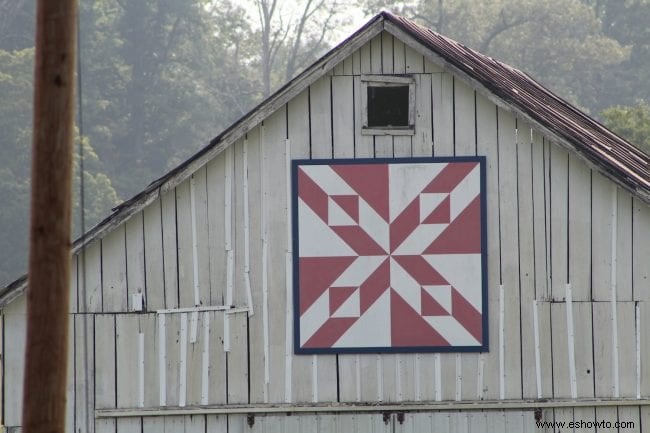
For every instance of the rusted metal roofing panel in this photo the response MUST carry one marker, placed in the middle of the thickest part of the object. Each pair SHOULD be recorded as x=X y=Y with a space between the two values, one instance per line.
x=617 y=157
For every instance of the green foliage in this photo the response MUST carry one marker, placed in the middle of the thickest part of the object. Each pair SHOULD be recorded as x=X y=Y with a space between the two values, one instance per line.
x=15 y=162
x=17 y=23
x=14 y=194
x=627 y=22
x=15 y=152
x=631 y=122
x=159 y=80
x=16 y=112
x=98 y=191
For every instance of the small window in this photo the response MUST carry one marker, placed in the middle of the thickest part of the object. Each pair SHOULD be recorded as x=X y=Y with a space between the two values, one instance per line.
x=388 y=105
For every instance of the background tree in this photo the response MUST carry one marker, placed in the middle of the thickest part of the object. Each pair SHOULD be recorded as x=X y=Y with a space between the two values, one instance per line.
x=627 y=22
x=292 y=37
x=17 y=24
x=633 y=123
x=558 y=42
x=15 y=152
x=149 y=73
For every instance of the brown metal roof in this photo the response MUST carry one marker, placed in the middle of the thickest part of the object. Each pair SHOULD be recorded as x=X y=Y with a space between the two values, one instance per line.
x=617 y=157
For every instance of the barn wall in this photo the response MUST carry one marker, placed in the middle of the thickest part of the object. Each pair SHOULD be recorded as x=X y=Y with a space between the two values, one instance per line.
x=569 y=293
x=13 y=326
x=550 y=222
x=444 y=422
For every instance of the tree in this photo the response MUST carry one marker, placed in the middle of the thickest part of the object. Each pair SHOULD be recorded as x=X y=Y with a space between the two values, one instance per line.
x=294 y=39
x=626 y=22
x=15 y=162
x=15 y=146
x=17 y=24
x=159 y=80
x=630 y=122
x=558 y=42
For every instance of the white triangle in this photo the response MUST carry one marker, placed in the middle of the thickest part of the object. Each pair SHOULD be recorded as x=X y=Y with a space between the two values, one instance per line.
x=373 y=224
x=405 y=285
x=359 y=271
x=337 y=216
x=373 y=327
x=316 y=239
x=315 y=317
x=327 y=179
x=407 y=181
x=452 y=331
x=466 y=190
x=419 y=239
x=463 y=272
x=351 y=307
x=429 y=201
x=441 y=294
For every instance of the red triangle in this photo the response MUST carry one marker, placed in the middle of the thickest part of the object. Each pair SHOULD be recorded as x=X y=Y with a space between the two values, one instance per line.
x=359 y=240
x=450 y=177
x=408 y=328
x=404 y=224
x=312 y=194
x=317 y=274
x=338 y=295
x=440 y=215
x=420 y=270
x=431 y=307
x=350 y=204
x=467 y=315
x=370 y=181
x=463 y=235
x=330 y=332
x=374 y=286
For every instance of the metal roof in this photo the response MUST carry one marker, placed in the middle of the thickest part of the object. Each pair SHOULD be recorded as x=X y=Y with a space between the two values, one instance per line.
x=610 y=154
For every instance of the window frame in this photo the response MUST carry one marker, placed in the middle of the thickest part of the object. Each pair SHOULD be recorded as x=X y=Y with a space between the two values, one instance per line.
x=387 y=81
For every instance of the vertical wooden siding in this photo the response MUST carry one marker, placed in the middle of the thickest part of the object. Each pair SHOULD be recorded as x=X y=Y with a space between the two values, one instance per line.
x=566 y=251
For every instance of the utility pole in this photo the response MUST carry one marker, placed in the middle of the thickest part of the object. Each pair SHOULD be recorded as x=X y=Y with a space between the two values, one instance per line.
x=49 y=253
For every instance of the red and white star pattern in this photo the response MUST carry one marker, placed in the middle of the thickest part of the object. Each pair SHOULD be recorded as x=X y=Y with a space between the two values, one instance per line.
x=389 y=255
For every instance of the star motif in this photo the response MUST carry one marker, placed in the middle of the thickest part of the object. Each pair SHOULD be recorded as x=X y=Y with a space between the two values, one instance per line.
x=379 y=250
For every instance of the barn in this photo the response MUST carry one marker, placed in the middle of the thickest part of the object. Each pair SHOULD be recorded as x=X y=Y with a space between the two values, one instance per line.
x=409 y=236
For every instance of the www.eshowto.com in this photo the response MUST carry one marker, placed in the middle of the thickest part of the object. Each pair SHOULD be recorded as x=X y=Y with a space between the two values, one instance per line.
x=585 y=424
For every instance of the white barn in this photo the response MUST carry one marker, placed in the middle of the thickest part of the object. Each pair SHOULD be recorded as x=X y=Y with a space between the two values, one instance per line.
x=181 y=315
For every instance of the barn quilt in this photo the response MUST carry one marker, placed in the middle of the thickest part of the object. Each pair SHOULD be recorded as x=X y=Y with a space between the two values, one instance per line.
x=389 y=255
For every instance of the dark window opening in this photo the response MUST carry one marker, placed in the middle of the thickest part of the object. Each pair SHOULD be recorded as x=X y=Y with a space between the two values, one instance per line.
x=388 y=106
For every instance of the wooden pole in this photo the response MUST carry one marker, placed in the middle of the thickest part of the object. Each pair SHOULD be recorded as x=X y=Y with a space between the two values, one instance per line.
x=49 y=255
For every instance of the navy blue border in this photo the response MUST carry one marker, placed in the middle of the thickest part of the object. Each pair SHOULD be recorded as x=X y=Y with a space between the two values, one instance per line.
x=295 y=164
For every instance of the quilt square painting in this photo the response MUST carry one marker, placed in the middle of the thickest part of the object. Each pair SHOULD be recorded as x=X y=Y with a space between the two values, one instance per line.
x=389 y=255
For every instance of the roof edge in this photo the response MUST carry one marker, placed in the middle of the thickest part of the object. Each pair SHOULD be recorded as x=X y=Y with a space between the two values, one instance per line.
x=174 y=177
x=593 y=157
